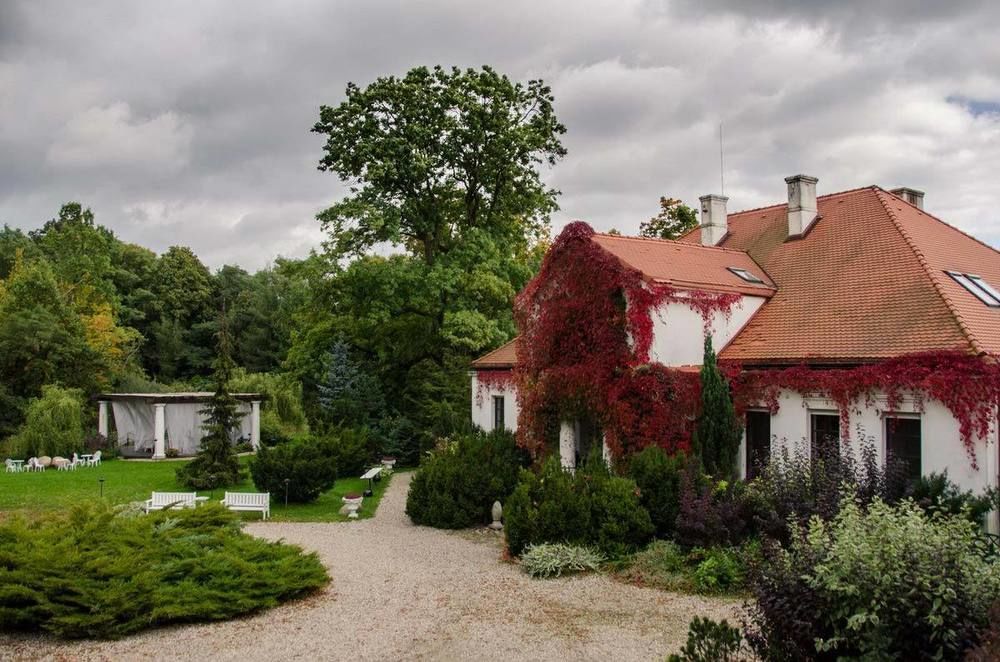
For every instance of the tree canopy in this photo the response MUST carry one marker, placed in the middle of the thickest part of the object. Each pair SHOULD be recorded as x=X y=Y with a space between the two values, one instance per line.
x=675 y=219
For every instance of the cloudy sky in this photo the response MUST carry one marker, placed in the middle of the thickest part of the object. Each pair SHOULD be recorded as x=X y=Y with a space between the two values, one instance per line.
x=188 y=122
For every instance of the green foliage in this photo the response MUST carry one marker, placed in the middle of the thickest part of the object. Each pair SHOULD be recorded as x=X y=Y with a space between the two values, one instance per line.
x=458 y=483
x=282 y=408
x=719 y=570
x=308 y=464
x=590 y=507
x=889 y=583
x=95 y=572
x=675 y=219
x=352 y=449
x=712 y=641
x=937 y=493
x=53 y=425
x=216 y=464
x=658 y=476
x=555 y=559
x=719 y=432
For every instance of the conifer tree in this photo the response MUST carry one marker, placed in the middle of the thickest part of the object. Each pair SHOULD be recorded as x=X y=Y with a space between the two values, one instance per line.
x=719 y=433
x=216 y=464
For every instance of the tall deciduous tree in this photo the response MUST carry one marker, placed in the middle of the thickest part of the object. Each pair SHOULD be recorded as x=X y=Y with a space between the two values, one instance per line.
x=719 y=432
x=444 y=164
x=675 y=218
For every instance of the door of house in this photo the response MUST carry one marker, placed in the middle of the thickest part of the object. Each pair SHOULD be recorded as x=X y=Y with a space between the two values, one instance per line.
x=758 y=442
x=587 y=435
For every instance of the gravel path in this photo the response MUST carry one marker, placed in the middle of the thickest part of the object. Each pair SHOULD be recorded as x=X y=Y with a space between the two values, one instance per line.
x=405 y=592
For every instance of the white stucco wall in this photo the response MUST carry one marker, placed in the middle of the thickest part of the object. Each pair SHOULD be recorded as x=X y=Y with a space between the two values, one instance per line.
x=678 y=336
x=482 y=405
x=940 y=440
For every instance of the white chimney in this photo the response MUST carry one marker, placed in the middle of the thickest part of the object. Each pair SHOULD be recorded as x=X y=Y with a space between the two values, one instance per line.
x=911 y=195
x=713 y=219
x=801 y=203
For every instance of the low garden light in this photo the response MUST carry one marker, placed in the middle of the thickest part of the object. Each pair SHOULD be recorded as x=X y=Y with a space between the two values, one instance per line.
x=101 y=481
x=287 y=481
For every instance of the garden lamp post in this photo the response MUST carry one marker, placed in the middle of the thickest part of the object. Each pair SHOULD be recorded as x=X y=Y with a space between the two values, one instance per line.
x=286 y=492
x=101 y=481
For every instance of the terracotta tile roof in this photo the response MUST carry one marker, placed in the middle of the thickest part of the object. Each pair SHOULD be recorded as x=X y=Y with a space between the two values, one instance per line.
x=685 y=265
x=504 y=356
x=866 y=282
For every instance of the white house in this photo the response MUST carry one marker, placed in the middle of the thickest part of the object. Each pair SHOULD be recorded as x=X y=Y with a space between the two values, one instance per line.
x=855 y=278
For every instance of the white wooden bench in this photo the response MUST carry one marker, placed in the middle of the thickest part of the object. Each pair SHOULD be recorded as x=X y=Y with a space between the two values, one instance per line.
x=250 y=501
x=163 y=500
x=371 y=475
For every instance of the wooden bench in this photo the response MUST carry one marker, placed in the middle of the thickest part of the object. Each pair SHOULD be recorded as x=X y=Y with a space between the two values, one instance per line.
x=164 y=500
x=249 y=501
x=371 y=475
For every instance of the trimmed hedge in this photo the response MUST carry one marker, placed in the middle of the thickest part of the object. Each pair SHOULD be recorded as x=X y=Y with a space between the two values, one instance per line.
x=98 y=572
x=456 y=486
x=658 y=476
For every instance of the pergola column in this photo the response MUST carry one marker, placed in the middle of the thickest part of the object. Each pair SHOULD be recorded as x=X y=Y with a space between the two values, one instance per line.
x=159 y=431
x=255 y=424
x=567 y=445
x=102 y=418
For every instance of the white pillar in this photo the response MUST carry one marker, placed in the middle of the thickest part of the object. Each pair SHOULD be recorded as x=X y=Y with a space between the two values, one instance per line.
x=102 y=418
x=255 y=424
x=605 y=450
x=160 y=431
x=567 y=445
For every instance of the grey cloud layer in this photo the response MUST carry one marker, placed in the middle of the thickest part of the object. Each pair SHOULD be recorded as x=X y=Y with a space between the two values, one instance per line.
x=189 y=122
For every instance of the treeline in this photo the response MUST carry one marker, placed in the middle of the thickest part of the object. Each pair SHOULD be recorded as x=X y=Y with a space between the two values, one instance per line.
x=442 y=168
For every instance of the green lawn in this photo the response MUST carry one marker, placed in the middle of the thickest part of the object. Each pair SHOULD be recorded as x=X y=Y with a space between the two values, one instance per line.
x=130 y=480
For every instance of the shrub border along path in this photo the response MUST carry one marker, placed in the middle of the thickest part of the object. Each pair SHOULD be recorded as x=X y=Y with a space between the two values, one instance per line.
x=401 y=591
x=134 y=480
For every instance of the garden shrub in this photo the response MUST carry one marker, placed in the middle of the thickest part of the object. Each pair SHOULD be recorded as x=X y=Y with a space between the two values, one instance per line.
x=307 y=463
x=53 y=425
x=97 y=572
x=658 y=476
x=556 y=559
x=713 y=641
x=590 y=507
x=399 y=438
x=889 y=583
x=719 y=570
x=458 y=483
x=662 y=564
x=353 y=450
x=711 y=513
x=936 y=492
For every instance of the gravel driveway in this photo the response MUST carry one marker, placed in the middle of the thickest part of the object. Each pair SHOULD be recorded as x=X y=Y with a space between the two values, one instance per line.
x=405 y=592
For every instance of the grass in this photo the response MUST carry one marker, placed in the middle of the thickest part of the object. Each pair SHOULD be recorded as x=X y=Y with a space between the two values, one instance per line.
x=131 y=480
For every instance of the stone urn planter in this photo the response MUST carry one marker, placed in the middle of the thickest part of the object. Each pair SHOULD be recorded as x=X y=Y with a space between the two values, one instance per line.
x=352 y=502
x=388 y=462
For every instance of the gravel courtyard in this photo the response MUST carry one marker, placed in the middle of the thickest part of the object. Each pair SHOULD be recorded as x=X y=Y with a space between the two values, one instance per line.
x=406 y=592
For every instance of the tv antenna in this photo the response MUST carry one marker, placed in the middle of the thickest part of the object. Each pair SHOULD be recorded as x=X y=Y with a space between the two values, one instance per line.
x=722 y=164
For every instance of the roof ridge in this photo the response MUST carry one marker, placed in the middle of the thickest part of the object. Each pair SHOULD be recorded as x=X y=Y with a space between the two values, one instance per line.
x=941 y=221
x=676 y=242
x=819 y=197
x=880 y=194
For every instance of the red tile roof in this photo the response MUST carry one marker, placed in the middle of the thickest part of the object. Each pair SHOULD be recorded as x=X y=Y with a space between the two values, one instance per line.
x=684 y=265
x=504 y=356
x=866 y=282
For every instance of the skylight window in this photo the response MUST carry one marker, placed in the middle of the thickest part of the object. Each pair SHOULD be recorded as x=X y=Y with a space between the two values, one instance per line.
x=749 y=277
x=978 y=287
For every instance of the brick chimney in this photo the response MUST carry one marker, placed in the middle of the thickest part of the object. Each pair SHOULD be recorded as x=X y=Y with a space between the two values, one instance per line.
x=714 y=225
x=801 y=203
x=911 y=195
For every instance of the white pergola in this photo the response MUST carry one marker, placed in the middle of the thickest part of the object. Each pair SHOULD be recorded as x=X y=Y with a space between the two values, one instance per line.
x=149 y=421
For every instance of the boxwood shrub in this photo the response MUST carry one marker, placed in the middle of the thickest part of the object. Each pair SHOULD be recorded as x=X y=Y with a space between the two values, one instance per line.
x=104 y=573
x=457 y=484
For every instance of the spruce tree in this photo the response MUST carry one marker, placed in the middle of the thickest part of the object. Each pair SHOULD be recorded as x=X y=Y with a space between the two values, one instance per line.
x=216 y=464
x=719 y=433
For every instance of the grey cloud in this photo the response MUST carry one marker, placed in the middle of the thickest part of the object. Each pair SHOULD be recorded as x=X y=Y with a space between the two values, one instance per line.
x=188 y=122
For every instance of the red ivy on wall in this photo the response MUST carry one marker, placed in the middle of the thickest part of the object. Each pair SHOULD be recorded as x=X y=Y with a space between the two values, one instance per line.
x=969 y=386
x=585 y=333
x=493 y=380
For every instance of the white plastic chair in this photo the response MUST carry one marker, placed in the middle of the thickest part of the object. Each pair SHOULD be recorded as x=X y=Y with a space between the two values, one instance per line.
x=74 y=463
x=35 y=465
x=96 y=460
x=11 y=467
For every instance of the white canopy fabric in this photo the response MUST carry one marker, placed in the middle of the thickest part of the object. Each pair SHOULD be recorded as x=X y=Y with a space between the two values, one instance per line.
x=135 y=421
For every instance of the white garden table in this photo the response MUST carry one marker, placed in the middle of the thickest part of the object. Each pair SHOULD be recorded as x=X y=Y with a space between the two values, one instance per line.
x=18 y=465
